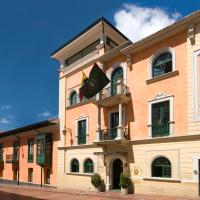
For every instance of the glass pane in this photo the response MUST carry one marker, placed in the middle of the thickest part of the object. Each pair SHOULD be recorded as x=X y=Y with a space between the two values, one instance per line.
x=88 y=166
x=160 y=119
x=162 y=65
x=75 y=165
x=82 y=132
x=116 y=75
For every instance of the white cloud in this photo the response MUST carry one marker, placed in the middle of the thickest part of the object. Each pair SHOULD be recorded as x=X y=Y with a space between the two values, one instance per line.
x=137 y=22
x=4 y=121
x=6 y=107
x=45 y=114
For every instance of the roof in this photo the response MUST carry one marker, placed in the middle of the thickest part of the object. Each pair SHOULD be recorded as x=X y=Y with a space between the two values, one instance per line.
x=29 y=127
x=102 y=19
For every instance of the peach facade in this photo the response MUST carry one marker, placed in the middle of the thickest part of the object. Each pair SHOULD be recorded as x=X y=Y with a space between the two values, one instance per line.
x=149 y=127
x=11 y=167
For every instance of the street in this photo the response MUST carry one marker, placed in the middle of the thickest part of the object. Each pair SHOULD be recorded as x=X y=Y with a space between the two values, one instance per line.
x=12 y=192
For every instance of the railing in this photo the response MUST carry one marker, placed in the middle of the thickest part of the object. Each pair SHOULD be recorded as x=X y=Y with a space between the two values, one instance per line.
x=11 y=158
x=160 y=130
x=119 y=88
x=81 y=139
x=76 y=100
x=111 y=134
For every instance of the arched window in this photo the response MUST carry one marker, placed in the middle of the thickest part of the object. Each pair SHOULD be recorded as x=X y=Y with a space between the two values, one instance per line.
x=88 y=166
x=73 y=98
x=116 y=75
x=162 y=64
x=161 y=167
x=74 y=165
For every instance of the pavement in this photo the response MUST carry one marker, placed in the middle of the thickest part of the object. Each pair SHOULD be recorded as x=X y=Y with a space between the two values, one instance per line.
x=13 y=192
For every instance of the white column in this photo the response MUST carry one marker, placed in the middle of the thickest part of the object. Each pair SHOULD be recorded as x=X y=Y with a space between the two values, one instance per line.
x=120 y=126
x=98 y=124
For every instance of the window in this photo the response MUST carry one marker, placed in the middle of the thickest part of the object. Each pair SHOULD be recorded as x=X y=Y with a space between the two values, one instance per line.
x=74 y=165
x=89 y=49
x=160 y=119
x=116 y=75
x=82 y=131
x=162 y=64
x=73 y=98
x=161 y=167
x=111 y=44
x=30 y=174
x=1 y=152
x=30 y=150
x=88 y=166
x=41 y=147
x=15 y=151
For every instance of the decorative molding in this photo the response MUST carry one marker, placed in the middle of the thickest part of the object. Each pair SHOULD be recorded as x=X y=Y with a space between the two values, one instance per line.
x=191 y=33
x=129 y=61
x=196 y=71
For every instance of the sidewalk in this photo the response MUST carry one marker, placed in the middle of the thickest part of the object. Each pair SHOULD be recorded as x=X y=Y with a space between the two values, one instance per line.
x=9 y=192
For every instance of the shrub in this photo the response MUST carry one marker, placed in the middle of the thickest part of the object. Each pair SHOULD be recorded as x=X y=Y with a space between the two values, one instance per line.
x=96 y=180
x=125 y=181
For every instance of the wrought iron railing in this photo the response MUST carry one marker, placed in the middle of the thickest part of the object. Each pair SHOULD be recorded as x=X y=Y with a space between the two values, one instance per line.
x=119 y=88
x=81 y=139
x=160 y=130
x=11 y=158
x=111 y=134
x=77 y=100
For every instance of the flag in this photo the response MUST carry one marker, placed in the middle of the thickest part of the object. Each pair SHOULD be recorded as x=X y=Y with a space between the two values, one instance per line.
x=84 y=79
x=96 y=82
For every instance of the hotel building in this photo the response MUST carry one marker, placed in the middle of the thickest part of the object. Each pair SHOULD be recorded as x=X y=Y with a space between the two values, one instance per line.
x=146 y=121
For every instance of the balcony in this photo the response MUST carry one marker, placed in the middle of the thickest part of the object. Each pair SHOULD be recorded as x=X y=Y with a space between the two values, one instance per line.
x=160 y=130
x=113 y=134
x=112 y=95
x=11 y=158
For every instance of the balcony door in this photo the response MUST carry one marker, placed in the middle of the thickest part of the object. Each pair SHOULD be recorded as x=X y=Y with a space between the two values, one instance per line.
x=114 y=122
x=116 y=75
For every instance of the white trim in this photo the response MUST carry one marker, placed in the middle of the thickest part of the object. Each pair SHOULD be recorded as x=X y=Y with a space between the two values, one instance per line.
x=196 y=85
x=87 y=128
x=161 y=97
x=115 y=66
x=158 y=53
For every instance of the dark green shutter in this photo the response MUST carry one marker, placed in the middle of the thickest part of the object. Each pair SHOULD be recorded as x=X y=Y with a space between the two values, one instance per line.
x=82 y=131
x=160 y=119
x=116 y=75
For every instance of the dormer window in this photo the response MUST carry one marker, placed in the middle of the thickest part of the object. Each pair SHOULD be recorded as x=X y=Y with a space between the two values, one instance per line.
x=81 y=54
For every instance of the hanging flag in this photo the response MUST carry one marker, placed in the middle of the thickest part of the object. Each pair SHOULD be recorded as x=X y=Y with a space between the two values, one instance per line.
x=84 y=80
x=96 y=82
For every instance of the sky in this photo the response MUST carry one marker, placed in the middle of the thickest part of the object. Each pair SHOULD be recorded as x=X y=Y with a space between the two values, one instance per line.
x=32 y=29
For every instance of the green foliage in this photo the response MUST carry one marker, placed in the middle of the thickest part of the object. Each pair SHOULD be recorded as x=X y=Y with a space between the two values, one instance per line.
x=96 y=180
x=125 y=181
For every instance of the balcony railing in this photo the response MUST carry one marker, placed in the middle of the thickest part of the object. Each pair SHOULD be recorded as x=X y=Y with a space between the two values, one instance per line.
x=111 y=134
x=160 y=130
x=77 y=100
x=81 y=139
x=11 y=158
x=117 y=89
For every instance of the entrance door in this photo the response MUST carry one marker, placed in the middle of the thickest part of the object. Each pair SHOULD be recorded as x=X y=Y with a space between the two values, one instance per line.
x=114 y=122
x=117 y=170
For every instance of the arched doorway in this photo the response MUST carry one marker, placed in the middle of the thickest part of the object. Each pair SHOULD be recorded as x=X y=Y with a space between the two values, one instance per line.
x=117 y=170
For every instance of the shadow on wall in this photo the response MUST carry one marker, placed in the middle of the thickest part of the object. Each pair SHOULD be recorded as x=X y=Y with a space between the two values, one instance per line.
x=6 y=195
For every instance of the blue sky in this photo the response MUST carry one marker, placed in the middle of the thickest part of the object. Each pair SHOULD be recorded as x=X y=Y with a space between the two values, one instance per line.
x=31 y=30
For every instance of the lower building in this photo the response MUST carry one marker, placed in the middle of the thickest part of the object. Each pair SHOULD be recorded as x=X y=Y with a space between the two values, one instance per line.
x=26 y=154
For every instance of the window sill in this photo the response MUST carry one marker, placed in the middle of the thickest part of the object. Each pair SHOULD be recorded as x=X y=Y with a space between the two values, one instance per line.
x=162 y=77
x=162 y=179
x=79 y=174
